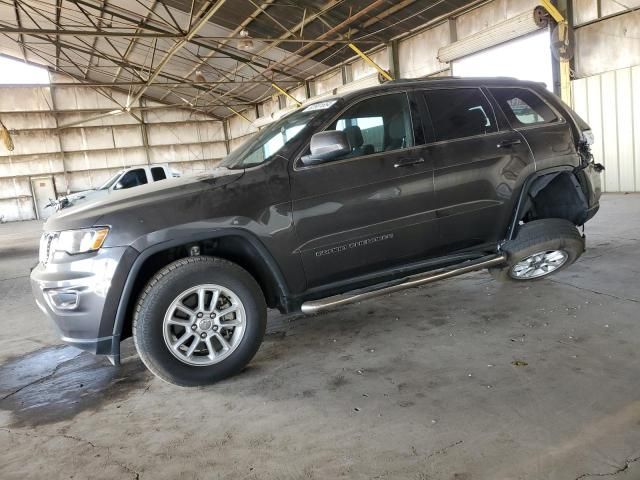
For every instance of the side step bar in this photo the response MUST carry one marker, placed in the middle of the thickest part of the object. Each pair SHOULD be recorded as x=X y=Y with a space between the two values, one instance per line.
x=409 y=282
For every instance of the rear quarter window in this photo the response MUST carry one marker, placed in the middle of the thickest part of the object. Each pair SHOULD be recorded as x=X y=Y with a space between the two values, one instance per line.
x=523 y=107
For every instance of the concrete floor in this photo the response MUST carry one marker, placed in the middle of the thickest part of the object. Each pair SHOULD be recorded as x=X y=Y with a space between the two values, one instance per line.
x=418 y=385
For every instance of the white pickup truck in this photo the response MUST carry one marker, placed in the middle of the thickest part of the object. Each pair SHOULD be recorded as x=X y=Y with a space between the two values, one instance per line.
x=126 y=178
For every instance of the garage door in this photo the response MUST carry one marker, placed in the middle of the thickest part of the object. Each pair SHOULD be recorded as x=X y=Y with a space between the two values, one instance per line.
x=527 y=58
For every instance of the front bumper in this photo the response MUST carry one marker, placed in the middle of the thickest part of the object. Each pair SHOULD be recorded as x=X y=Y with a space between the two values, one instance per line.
x=80 y=293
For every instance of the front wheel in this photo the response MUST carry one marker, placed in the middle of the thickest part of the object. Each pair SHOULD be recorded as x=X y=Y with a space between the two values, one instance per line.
x=199 y=320
x=542 y=247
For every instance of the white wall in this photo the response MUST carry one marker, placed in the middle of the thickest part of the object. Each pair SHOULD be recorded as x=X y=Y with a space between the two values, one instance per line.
x=606 y=92
x=610 y=104
x=84 y=156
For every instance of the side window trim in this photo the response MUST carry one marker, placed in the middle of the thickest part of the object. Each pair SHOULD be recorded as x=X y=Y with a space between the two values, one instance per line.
x=422 y=126
x=298 y=166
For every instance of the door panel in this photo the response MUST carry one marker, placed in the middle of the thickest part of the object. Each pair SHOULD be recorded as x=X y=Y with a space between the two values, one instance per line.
x=546 y=132
x=477 y=168
x=369 y=211
x=477 y=184
x=43 y=191
x=362 y=215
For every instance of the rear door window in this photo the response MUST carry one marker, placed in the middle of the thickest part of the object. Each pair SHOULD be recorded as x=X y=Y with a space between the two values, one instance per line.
x=158 y=173
x=459 y=113
x=523 y=107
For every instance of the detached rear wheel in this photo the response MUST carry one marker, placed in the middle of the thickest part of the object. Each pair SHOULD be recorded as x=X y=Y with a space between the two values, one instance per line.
x=542 y=247
x=199 y=320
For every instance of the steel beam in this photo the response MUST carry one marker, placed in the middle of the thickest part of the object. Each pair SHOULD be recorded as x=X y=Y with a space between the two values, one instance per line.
x=346 y=23
x=207 y=14
x=300 y=25
x=119 y=33
x=368 y=59
x=565 y=65
x=117 y=13
x=207 y=57
x=286 y=94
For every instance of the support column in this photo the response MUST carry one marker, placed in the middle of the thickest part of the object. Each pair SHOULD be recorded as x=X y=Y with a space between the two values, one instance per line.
x=225 y=128
x=54 y=112
x=143 y=132
x=394 y=59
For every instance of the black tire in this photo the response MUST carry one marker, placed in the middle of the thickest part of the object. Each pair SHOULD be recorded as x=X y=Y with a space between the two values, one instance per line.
x=168 y=284
x=539 y=236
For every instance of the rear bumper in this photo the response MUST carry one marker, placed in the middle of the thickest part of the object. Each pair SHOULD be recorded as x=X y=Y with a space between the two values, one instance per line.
x=590 y=179
x=592 y=211
x=79 y=294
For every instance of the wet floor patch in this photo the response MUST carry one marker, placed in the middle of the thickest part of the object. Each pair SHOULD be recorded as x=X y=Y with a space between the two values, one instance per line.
x=57 y=383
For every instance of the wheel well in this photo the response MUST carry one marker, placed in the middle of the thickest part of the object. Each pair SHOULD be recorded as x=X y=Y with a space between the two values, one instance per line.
x=555 y=195
x=234 y=248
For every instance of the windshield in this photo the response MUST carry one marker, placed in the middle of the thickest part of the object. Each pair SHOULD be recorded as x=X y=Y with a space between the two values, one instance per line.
x=106 y=185
x=270 y=141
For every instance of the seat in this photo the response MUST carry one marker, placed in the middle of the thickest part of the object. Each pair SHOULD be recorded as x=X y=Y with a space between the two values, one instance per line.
x=356 y=141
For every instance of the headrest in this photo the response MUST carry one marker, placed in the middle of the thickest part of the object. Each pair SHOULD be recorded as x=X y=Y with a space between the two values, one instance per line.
x=477 y=118
x=396 y=127
x=354 y=136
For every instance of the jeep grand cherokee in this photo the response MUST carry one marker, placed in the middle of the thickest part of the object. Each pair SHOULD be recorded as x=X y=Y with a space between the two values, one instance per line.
x=344 y=199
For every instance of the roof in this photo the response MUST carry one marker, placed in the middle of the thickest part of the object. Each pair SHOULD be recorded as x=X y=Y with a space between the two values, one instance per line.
x=435 y=81
x=189 y=52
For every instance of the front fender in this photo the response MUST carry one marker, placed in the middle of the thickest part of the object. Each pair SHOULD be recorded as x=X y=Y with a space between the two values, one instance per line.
x=187 y=235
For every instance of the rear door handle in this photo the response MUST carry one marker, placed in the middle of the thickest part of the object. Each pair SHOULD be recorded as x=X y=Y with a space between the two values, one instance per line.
x=509 y=143
x=408 y=163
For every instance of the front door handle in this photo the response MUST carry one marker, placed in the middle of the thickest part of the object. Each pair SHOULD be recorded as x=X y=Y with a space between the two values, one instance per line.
x=509 y=143
x=408 y=162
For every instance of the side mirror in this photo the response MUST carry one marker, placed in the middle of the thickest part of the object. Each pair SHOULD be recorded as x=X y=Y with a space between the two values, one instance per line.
x=327 y=146
x=118 y=186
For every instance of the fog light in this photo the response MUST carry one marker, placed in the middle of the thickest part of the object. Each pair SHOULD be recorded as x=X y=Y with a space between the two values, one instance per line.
x=63 y=299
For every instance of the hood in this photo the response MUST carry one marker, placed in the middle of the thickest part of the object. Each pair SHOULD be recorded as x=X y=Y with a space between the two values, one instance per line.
x=162 y=197
x=78 y=197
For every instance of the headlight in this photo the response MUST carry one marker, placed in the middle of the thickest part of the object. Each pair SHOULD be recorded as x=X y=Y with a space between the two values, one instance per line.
x=80 y=241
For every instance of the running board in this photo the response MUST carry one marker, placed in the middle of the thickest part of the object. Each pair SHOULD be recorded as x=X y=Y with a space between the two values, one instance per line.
x=315 y=306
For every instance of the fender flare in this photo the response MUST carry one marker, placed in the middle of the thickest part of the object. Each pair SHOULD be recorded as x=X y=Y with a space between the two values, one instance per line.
x=522 y=197
x=125 y=296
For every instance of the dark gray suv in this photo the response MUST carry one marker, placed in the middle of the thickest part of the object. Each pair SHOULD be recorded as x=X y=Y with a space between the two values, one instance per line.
x=343 y=199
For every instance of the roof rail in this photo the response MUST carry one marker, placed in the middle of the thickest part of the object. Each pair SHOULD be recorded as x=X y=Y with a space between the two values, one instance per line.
x=420 y=79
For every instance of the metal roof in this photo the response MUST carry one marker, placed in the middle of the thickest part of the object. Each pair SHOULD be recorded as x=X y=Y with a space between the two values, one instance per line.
x=188 y=52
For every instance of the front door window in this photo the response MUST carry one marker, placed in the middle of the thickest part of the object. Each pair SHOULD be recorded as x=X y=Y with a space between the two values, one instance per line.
x=374 y=125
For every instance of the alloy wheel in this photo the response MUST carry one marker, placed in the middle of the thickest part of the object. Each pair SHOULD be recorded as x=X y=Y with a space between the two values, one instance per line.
x=538 y=265
x=204 y=325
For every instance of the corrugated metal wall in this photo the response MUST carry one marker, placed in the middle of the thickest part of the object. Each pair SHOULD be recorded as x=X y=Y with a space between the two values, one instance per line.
x=610 y=104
